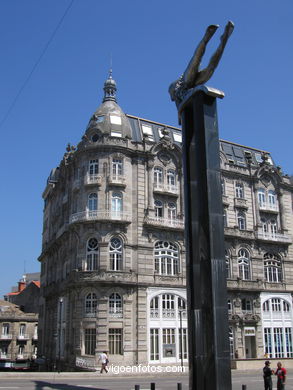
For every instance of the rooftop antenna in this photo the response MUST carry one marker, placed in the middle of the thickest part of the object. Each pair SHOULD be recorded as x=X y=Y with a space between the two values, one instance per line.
x=111 y=64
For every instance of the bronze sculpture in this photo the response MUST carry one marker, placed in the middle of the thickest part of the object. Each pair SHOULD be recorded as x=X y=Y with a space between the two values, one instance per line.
x=192 y=76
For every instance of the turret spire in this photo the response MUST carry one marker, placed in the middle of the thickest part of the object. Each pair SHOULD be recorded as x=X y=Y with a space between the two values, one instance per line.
x=110 y=88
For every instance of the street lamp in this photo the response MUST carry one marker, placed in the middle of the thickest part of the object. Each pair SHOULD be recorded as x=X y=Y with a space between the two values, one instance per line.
x=180 y=309
x=60 y=333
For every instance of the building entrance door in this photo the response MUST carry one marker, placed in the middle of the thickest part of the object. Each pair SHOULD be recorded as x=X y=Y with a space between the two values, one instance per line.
x=250 y=349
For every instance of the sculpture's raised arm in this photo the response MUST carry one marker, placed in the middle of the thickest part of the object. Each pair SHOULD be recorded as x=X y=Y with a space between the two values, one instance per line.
x=192 y=76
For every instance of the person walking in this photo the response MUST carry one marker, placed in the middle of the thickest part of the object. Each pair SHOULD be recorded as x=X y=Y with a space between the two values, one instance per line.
x=281 y=374
x=103 y=358
x=267 y=376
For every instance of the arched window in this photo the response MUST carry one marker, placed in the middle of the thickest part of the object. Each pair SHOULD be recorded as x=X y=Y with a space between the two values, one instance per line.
x=223 y=187
x=168 y=306
x=91 y=303
x=277 y=325
x=241 y=220
x=181 y=303
x=273 y=227
x=117 y=168
x=115 y=254
x=272 y=198
x=94 y=167
x=158 y=176
x=166 y=258
x=159 y=209
x=264 y=226
x=272 y=268
x=261 y=197
x=231 y=342
x=92 y=202
x=246 y=305
x=154 y=307
x=115 y=305
x=225 y=218
x=116 y=206
x=244 y=265
x=92 y=255
x=171 y=211
x=171 y=178
x=230 y=306
x=239 y=190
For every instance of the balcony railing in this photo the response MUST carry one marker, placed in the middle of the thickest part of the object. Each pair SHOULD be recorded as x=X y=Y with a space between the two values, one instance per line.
x=166 y=188
x=266 y=206
x=154 y=313
x=117 y=180
x=100 y=216
x=279 y=237
x=118 y=313
x=165 y=222
x=23 y=337
x=5 y=336
x=93 y=179
x=3 y=356
x=168 y=313
x=240 y=202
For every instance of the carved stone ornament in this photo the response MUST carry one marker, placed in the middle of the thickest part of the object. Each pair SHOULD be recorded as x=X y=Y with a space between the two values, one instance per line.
x=266 y=180
x=165 y=158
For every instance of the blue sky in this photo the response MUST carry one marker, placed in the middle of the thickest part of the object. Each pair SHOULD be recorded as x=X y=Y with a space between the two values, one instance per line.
x=151 y=43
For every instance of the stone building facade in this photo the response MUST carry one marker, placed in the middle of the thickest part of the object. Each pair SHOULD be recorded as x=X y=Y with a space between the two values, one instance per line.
x=113 y=255
x=18 y=336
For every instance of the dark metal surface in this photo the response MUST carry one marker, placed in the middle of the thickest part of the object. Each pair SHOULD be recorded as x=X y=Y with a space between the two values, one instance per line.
x=206 y=275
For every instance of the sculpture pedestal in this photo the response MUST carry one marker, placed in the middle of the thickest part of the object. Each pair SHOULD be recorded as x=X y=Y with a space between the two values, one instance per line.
x=209 y=355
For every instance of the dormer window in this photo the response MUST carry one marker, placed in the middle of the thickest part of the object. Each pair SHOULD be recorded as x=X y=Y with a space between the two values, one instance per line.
x=148 y=131
x=100 y=118
x=115 y=120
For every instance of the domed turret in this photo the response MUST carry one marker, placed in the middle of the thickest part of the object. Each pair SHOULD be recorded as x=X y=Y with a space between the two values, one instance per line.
x=109 y=118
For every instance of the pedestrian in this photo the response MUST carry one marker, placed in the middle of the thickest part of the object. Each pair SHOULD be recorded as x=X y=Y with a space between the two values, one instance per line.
x=267 y=376
x=281 y=374
x=103 y=358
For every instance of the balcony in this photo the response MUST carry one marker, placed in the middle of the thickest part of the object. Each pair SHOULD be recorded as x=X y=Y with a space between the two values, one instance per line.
x=96 y=215
x=266 y=206
x=23 y=337
x=5 y=336
x=240 y=203
x=166 y=189
x=3 y=356
x=236 y=232
x=175 y=224
x=93 y=179
x=274 y=237
x=117 y=180
x=118 y=313
x=225 y=200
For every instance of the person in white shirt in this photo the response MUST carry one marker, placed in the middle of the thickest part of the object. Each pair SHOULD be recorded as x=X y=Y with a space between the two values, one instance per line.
x=103 y=358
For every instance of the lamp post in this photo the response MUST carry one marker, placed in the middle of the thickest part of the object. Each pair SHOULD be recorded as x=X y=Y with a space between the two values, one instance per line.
x=181 y=333
x=60 y=333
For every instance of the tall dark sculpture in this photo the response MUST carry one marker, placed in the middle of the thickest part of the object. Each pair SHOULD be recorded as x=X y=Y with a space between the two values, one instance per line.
x=209 y=356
